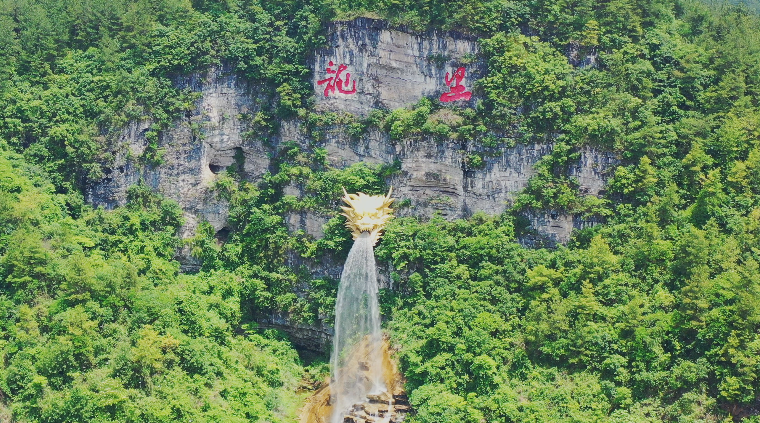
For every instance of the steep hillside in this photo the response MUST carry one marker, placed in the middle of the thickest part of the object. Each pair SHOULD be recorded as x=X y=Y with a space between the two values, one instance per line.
x=171 y=181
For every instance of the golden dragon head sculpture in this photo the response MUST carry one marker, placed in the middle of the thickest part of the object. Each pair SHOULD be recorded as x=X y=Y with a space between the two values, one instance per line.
x=367 y=213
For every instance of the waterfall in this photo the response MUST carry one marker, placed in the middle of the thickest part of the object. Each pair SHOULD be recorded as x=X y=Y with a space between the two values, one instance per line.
x=356 y=359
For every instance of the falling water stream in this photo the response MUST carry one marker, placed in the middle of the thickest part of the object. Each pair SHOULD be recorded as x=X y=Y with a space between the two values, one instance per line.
x=356 y=359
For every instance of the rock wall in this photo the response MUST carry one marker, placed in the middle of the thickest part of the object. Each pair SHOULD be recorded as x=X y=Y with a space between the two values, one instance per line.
x=389 y=68
x=194 y=150
x=314 y=337
x=392 y=68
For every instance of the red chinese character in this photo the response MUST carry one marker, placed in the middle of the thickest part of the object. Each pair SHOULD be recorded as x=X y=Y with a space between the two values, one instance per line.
x=336 y=82
x=457 y=91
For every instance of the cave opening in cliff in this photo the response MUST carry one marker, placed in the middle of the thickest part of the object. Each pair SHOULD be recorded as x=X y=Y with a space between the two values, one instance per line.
x=230 y=161
x=222 y=235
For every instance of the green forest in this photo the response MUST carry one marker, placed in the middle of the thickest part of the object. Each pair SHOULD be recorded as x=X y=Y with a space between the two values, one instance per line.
x=653 y=315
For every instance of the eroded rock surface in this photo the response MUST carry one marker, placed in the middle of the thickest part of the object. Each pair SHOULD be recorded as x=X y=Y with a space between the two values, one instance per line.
x=381 y=408
x=193 y=151
x=401 y=67
x=390 y=68
x=393 y=68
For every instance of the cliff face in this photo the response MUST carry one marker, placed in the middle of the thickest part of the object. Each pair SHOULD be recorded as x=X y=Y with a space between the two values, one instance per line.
x=195 y=149
x=391 y=69
x=388 y=68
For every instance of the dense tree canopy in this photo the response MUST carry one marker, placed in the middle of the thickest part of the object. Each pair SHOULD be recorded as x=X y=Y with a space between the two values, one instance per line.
x=650 y=316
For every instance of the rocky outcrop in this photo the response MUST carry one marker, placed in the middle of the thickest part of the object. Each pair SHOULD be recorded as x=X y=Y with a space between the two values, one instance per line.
x=392 y=68
x=388 y=68
x=548 y=228
x=193 y=151
x=314 y=337
x=434 y=178
x=379 y=409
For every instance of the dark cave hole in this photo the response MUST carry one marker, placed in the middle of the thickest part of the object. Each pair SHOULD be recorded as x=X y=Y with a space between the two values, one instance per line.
x=222 y=234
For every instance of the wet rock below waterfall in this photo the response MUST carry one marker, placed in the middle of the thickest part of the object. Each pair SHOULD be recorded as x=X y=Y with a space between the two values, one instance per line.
x=388 y=407
x=380 y=408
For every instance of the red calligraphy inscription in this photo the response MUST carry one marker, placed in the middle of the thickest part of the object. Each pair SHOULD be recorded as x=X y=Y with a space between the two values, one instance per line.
x=335 y=81
x=456 y=91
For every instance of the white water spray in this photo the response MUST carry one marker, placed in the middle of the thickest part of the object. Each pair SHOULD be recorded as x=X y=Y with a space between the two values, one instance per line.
x=356 y=359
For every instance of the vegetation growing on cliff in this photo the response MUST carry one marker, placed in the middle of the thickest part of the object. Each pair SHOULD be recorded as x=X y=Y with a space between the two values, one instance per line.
x=651 y=316
x=97 y=324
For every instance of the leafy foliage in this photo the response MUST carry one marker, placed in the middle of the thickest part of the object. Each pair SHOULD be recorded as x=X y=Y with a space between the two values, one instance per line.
x=651 y=316
x=97 y=323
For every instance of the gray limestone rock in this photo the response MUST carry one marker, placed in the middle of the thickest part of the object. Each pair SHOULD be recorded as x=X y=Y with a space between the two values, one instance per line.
x=392 y=68
x=194 y=151
x=402 y=67
x=389 y=68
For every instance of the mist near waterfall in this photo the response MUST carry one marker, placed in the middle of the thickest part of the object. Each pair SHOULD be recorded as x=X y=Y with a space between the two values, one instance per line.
x=356 y=358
